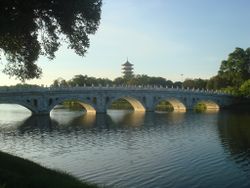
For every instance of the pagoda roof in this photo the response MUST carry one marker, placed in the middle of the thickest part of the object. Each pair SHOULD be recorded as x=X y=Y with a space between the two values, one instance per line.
x=127 y=63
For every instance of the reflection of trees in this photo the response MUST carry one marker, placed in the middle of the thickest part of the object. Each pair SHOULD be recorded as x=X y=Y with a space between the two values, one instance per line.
x=234 y=132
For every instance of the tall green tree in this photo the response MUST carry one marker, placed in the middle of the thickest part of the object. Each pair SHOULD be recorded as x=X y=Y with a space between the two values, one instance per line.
x=30 y=28
x=236 y=69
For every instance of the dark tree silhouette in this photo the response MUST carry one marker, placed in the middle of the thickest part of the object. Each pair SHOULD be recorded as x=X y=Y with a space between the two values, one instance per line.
x=30 y=28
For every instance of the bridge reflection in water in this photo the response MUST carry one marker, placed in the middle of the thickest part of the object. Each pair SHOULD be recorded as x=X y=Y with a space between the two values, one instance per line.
x=77 y=118
x=62 y=117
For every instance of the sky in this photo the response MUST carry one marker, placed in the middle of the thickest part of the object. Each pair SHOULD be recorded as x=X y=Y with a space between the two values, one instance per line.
x=166 y=38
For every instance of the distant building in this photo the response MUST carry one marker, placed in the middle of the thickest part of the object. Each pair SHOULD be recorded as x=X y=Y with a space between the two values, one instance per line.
x=127 y=69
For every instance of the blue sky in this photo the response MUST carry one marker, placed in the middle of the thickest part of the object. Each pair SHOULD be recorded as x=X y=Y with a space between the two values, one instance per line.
x=160 y=37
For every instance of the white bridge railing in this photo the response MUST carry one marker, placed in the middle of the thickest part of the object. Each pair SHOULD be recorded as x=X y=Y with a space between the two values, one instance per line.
x=113 y=87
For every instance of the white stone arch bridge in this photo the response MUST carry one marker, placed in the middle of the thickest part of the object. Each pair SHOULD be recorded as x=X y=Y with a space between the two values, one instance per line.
x=98 y=99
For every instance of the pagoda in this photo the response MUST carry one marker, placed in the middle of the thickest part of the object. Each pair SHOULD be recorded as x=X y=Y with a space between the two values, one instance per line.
x=127 y=69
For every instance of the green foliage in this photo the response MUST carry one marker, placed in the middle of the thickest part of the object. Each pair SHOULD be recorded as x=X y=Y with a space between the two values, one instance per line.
x=20 y=173
x=231 y=90
x=164 y=106
x=118 y=105
x=73 y=105
x=121 y=104
x=60 y=82
x=200 y=107
x=216 y=83
x=81 y=80
x=178 y=84
x=143 y=80
x=84 y=80
x=235 y=70
x=30 y=28
x=21 y=86
x=245 y=88
x=233 y=73
x=139 y=80
x=195 y=83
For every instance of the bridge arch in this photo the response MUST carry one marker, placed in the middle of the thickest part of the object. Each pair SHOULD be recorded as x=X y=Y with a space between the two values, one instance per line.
x=137 y=104
x=87 y=104
x=209 y=105
x=177 y=104
x=26 y=105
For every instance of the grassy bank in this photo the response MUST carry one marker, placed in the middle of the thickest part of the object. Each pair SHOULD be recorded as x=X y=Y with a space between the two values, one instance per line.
x=16 y=172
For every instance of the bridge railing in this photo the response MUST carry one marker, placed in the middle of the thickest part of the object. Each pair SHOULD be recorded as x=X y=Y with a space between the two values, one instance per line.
x=111 y=87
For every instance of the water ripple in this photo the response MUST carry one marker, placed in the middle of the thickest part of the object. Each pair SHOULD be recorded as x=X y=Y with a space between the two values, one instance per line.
x=154 y=150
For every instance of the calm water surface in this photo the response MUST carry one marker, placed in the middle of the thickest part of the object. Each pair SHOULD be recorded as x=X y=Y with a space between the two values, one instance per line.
x=123 y=149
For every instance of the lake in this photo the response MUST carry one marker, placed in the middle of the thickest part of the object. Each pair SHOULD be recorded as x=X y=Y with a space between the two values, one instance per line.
x=127 y=149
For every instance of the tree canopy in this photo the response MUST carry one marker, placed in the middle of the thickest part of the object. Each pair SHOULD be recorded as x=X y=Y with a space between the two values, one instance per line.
x=30 y=28
x=138 y=80
x=195 y=83
x=236 y=69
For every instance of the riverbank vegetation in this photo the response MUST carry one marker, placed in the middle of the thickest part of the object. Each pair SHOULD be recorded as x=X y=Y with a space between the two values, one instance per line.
x=72 y=105
x=200 y=107
x=164 y=106
x=16 y=172
x=121 y=104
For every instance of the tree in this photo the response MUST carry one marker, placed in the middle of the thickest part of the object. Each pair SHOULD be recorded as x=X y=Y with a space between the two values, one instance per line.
x=78 y=80
x=236 y=69
x=119 y=81
x=60 y=82
x=30 y=28
x=143 y=80
x=158 y=81
x=189 y=83
x=195 y=83
x=245 y=88
x=169 y=83
x=177 y=84
x=216 y=82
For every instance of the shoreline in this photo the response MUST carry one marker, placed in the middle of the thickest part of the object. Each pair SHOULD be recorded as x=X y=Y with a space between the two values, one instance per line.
x=16 y=172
